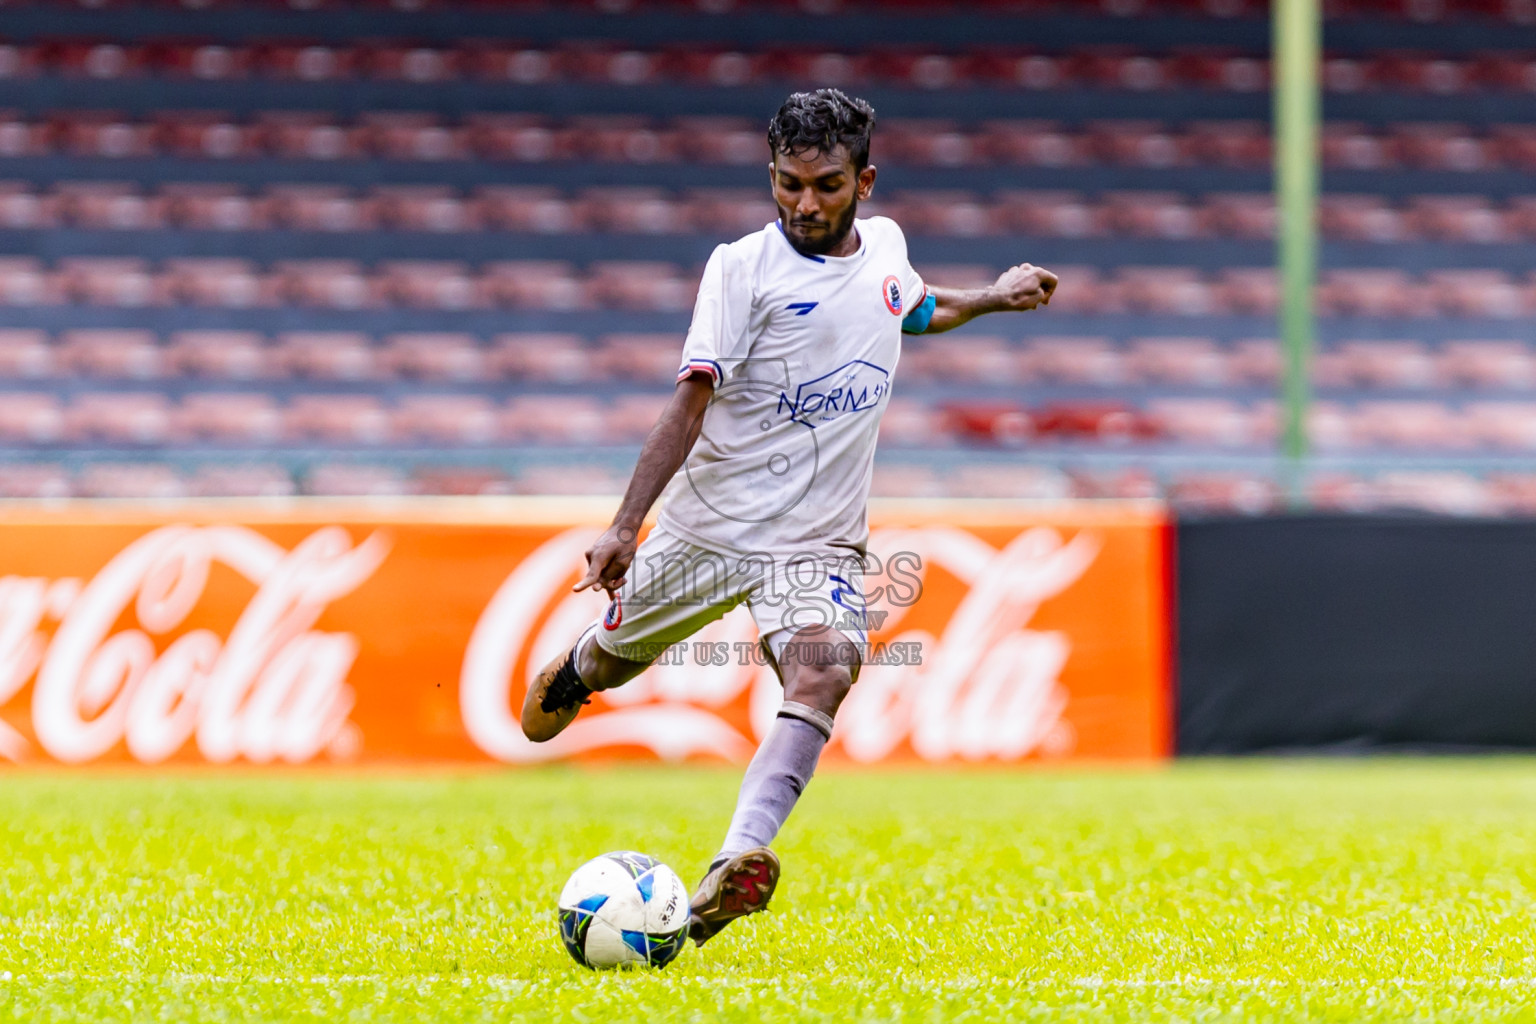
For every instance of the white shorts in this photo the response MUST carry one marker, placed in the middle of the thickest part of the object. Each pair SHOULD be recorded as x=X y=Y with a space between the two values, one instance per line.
x=675 y=588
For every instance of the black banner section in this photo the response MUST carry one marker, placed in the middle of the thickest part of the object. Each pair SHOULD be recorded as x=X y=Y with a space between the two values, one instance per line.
x=1355 y=632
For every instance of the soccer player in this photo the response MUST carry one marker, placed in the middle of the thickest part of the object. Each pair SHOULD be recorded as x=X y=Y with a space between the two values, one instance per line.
x=762 y=460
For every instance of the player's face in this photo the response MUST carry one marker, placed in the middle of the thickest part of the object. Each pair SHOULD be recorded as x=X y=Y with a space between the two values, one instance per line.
x=818 y=195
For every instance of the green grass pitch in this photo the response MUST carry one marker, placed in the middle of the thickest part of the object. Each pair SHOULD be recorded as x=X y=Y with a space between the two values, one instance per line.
x=1349 y=891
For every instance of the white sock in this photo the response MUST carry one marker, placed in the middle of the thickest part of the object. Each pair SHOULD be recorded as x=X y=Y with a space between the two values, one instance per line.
x=778 y=774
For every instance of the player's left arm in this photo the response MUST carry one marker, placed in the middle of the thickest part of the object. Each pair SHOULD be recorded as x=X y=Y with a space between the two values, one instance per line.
x=1018 y=289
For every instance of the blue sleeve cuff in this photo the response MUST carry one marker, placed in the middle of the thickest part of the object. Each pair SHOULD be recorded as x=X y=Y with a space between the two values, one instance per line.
x=916 y=322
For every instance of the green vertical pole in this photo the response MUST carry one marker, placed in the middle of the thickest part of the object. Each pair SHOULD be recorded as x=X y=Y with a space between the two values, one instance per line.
x=1297 y=41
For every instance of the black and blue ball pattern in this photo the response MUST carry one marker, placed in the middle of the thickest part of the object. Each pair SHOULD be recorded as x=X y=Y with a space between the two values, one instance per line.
x=624 y=909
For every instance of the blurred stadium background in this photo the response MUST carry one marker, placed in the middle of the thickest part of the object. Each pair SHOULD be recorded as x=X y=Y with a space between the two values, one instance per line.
x=440 y=246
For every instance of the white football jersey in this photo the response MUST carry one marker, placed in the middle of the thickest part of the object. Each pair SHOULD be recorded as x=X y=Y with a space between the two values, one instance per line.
x=802 y=351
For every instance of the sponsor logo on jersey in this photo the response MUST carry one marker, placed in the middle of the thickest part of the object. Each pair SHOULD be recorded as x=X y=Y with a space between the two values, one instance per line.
x=802 y=308
x=891 y=292
x=852 y=387
x=614 y=615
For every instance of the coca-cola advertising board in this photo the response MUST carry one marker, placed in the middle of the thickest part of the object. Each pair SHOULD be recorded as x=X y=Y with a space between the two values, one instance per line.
x=325 y=633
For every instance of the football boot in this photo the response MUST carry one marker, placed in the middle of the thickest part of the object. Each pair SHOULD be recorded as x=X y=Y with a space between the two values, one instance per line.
x=735 y=887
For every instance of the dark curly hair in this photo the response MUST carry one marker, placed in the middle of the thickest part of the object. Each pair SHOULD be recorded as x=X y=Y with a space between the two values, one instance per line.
x=819 y=122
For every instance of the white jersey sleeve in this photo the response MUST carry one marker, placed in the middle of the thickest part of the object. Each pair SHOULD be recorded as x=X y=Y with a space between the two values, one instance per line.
x=721 y=316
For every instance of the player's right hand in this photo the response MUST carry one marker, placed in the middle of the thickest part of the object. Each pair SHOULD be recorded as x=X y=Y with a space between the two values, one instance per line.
x=608 y=560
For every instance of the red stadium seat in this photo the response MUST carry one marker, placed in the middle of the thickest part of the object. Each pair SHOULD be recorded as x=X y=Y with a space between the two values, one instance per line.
x=34 y=480
x=418 y=64
x=909 y=423
x=1361 y=218
x=1504 y=425
x=931 y=143
x=1382 y=292
x=1192 y=361
x=521 y=138
x=23 y=209
x=641 y=358
x=435 y=208
x=24 y=283
x=1151 y=215
x=1072 y=360
x=730 y=212
x=1489 y=364
x=631 y=210
x=460 y=480
x=643 y=285
x=222 y=283
x=1134 y=143
x=736 y=141
x=18 y=60
x=1445 y=147
x=25 y=353
x=902 y=480
x=100 y=61
x=1350 y=146
x=1477 y=293
x=308 y=136
x=208 y=62
x=209 y=135
x=129 y=480
x=344 y=479
x=216 y=480
x=535 y=284
x=719 y=68
x=308 y=62
x=1516 y=145
x=400 y=135
x=568 y=479
x=29 y=418
x=1247 y=215
x=1513 y=493
x=527 y=208
x=446 y=419
x=119 y=418
x=337 y=419
x=1218 y=422
x=1389 y=364
x=555 y=358
x=1051 y=214
x=107 y=281
x=319 y=208
x=127 y=354
x=328 y=355
x=525 y=66
x=20 y=137
x=1428 y=425
x=431 y=284
x=952 y=213
x=1034 y=144
x=816 y=70
x=1444 y=492
x=212 y=206
x=554 y=419
x=978 y=360
x=327 y=284
x=113 y=205
x=1224 y=492
x=224 y=355
x=1182 y=291
x=231 y=417
x=102 y=134
x=1244 y=144
x=1038 y=483
x=620 y=138
x=435 y=357
x=631 y=417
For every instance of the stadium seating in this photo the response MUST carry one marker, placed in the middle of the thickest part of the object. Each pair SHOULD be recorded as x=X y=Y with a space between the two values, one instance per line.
x=262 y=254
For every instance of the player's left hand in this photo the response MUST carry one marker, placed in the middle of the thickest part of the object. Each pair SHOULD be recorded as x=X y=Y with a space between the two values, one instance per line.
x=1025 y=287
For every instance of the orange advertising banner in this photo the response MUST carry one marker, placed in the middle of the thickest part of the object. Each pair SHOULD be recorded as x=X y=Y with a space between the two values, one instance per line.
x=324 y=632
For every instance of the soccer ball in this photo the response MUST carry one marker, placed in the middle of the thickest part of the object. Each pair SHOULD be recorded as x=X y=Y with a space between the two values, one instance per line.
x=624 y=909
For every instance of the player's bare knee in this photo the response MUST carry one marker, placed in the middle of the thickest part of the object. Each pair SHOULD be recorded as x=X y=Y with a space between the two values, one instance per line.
x=819 y=686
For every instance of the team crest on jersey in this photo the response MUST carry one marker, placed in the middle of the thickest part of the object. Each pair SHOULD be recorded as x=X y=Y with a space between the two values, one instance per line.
x=614 y=615
x=891 y=292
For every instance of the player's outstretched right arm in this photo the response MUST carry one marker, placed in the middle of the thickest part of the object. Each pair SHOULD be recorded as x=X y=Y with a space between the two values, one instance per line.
x=666 y=446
